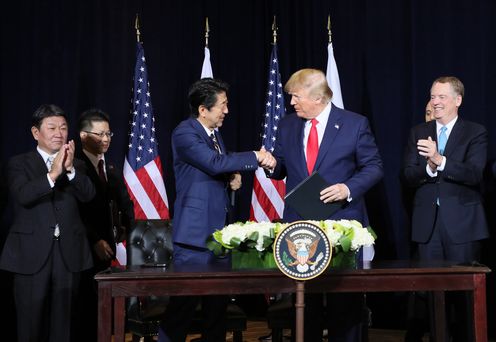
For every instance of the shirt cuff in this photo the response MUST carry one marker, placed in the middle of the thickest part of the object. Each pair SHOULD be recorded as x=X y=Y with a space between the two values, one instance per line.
x=348 y=198
x=443 y=164
x=71 y=174
x=52 y=184
x=429 y=171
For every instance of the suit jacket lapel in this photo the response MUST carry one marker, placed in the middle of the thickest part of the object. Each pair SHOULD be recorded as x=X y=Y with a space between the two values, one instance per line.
x=221 y=142
x=301 y=154
x=334 y=123
x=36 y=160
x=199 y=127
x=454 y=137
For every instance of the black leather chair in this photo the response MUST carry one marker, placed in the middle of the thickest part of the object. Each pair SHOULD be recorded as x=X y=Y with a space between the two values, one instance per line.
x=150 y=241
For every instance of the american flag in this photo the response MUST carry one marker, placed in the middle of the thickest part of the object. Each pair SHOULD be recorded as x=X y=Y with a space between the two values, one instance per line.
x=267 y=199
x=142 y=167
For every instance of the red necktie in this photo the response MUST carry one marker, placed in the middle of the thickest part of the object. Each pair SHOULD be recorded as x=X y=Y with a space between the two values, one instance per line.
x=312 y=146
x=101 y=171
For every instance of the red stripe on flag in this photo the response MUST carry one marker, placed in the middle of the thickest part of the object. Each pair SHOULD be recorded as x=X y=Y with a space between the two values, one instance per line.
x=152 y=192
x=280 y=187
x=264 y=202
x=138 y=212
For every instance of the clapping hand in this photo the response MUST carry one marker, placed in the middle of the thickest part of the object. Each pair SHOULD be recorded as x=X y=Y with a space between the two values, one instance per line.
x=428 y=149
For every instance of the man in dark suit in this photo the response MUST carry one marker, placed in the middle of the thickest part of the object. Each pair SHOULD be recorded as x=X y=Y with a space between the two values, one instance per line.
x=107 y=216
x=444 y=160
x=46 y=247
x=203 y=171
x=340 y=146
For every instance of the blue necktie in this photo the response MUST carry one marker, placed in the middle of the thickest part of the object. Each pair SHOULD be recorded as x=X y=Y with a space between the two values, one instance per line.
x=443 y=138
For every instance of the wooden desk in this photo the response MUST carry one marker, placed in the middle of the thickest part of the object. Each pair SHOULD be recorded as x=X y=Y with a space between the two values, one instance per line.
x=117 y=284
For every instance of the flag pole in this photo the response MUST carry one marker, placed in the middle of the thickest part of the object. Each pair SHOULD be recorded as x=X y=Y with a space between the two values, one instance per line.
x=274 y=31
x=137 y=28
x=329 y=28
x=207 y=30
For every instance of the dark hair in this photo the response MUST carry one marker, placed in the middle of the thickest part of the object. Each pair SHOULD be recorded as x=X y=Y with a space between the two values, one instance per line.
x=204 y=93
x=92 y=115
x=45 y=111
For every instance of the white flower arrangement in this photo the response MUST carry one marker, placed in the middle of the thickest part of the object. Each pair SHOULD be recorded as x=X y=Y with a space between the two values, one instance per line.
x=344 y=235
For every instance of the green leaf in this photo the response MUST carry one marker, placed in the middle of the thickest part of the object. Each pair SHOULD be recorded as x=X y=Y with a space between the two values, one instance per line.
x=235 y=242
x=339 y=228
x=215 y=247
x=345 y=242
x=253 y=236
x=267 y=241
x=371 y=231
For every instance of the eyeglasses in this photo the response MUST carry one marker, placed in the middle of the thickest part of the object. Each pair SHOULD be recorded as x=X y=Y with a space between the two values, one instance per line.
x=102 y=134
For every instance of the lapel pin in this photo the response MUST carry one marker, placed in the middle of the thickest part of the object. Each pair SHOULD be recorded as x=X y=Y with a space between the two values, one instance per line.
x=336 y=126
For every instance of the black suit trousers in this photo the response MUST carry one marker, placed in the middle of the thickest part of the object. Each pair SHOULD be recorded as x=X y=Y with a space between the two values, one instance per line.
x=458 y=304
x=44 y=301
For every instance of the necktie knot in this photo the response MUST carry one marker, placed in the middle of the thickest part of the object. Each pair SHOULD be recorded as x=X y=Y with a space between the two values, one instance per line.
x=49 y=162
x=315 y=122
x=443 y=139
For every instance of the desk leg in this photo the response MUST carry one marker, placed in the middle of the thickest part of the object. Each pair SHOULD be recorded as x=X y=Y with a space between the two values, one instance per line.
x=119 y=311
x=300 y=310
x=439 y=315
x=480 y=318
x=104 y=312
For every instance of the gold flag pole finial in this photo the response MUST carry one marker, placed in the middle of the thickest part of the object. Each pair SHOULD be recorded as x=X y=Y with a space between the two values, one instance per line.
x=207 y=30
x=274 y=31
x=137 y=28
x=329 y=28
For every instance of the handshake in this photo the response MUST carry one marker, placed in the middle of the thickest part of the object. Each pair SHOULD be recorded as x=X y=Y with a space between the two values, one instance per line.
x=265 y=159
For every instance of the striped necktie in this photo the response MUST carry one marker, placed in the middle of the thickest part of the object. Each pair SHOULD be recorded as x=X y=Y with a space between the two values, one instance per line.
x=216 y=143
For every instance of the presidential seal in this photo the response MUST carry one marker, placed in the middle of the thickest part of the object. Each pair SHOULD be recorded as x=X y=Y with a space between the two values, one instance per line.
x=302 y=250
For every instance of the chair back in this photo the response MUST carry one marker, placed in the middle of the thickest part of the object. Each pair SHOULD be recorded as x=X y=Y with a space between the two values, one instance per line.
x=150 y=242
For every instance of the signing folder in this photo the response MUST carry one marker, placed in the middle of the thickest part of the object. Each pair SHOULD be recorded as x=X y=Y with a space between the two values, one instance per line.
x=305 y=199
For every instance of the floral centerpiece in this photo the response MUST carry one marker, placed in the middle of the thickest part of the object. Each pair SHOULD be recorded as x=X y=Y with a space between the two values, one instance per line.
x=251 y=243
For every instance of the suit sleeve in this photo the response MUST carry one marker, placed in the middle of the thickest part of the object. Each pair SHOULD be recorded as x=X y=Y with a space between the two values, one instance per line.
x=193 y=149
x=368 y=162
x=27 y=190
x=414 y=166
x=468 y=171
x=81 y=186
x=124 y=202
x=279 y=171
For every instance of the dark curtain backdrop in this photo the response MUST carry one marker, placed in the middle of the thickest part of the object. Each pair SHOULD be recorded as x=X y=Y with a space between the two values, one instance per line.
x=81 y=54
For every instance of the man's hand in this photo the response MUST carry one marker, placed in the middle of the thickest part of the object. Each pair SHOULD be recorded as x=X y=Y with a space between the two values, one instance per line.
x=235 y=181
x=334 y=193
x=428 y=149
x=57 y=167
x=103 y=250
x=265 y=159
x=69 y=159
